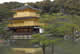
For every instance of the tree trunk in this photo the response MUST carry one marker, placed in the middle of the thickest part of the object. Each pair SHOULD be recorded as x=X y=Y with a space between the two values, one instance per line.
x=73 y=34
x=52 y=48
x=43 y=48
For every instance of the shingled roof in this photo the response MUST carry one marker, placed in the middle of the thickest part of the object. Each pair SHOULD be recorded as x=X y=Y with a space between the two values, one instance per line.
x=25 y=7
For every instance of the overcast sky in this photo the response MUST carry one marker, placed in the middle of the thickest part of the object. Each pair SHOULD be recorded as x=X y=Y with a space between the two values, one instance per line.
x=2 y=1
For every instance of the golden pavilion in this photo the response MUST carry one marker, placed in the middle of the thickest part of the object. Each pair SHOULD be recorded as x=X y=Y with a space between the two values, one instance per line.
x=25 y=22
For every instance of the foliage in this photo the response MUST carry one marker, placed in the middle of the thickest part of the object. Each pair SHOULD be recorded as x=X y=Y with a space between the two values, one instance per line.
x=43 y=40
x=60 y=25
x=4 y=16
x=40 y=39
x=69 y=6
x=64 y=6
x=46 y=6
x=57 y=25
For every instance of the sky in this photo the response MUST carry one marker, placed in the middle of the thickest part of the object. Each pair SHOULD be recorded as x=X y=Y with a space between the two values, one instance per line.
x=23 y=1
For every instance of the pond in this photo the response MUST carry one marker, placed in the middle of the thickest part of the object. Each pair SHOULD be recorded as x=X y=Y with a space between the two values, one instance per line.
x=65 y=47
x=61 y=47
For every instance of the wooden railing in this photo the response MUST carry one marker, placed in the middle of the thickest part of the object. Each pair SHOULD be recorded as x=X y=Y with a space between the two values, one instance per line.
x=31 y=15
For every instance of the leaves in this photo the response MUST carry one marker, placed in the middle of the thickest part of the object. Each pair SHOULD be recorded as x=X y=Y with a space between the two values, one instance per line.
x=5 y=10
x=59 y=24
x=69 y=6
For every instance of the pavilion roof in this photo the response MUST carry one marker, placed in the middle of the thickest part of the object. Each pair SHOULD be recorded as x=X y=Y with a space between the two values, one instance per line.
x=25 y=7
x=20 y=18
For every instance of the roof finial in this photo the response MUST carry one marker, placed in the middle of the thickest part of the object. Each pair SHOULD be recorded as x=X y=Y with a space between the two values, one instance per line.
x=26 y=4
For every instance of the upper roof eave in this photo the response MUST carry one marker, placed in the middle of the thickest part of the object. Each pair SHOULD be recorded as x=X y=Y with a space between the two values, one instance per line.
x=20 y=18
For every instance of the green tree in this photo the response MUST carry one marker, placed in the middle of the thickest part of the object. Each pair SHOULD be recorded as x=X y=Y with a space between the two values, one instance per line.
x=6 y=14
x=43 y=41
x=57 y=25
x=60 y=24
x=46 y=6
x=69 y=6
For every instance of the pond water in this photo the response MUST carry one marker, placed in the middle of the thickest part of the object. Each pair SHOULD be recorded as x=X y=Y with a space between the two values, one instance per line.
x=61 y=47
x=65 y=47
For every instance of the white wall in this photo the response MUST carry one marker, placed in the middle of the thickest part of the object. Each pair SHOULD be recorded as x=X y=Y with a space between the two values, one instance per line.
x=41 y=30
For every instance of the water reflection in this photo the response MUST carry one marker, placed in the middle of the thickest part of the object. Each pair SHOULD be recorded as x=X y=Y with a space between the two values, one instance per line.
x=62 y=47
